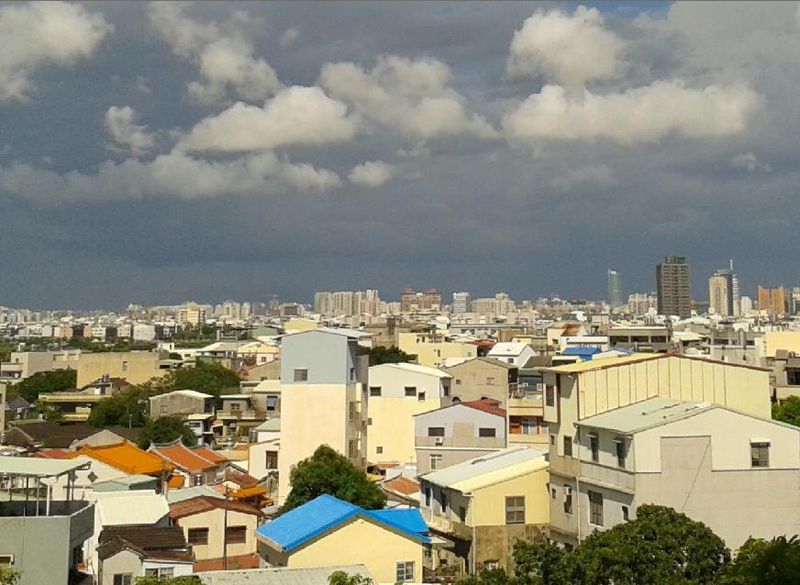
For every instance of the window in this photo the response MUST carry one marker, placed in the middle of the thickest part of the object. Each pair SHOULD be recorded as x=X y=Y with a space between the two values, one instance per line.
x=595 y=508
x=427 y=496
x=625 y=513
x=510 y=360
x=125 y=366
x=405 y=572
x=163 y=409
x=553 y=493
x=272 y=403
x=567 y=446
x=411 y=390
x=271 y=460
x=421 y=397
x=528 y=425
x=374 y=390
x=491 y=565
x=550 y=395
x=6 y=560
x=300 y=375
x=515 y=509
x=458 y=381
x=353 y=410
x=436 y=431
x=759 y=454
x=490 y=381
x=198 y=479
x=352 y=373
x=436 y=461
x=236 y=534
x=198 y=536
x=379 y=450
x=236 y=407
x=553 y=440
x=369 y=421
x=567 y=499
x=160 y=572
x=619 y=445
x=594 y=445
x=352 y=448
x=487 y=432
x=123 y=579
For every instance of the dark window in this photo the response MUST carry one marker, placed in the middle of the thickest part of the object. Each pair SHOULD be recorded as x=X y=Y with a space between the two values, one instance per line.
x=436 y=431
x=236 y=534
x=625 y=513
x=567 y=446
x=594 y=445
x=550 y=395
x=411 y=390
x=379 y=450
x=759 y=454
x=374 y=390
x=271 y=459
x=421 y=397
x=515 y=509
x=567 y=500
x=595 y=508
x=487 y=432
x=123 y=579
x=619 y=444
x=300 y=375
x=198 y=536
x=428 y=497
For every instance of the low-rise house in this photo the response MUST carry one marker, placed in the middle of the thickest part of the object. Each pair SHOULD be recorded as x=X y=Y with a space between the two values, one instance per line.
x=200 y=466
x=218 y=529
x=237 y=417
x=137 y=367
x=131 y=460
x=483 y=377
x=401 y=490
x=433 y=350
x=263 y=458
x=181 y=403
x=735 y=472
x=482 y=505
x=282 y=575
x=129 y=552
x=266 y=431
x=40 y=434
x=17 y=408
x=458 y=432
x=513 y=353
x=327 y=531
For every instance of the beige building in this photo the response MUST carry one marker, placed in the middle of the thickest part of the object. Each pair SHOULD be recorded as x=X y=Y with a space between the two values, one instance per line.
x=735 y=472
x=397 y=392
x=483 y=377
x=718 y=294
x=137 y=367
x=24 y=364
x=482 y=505
x=434 y=350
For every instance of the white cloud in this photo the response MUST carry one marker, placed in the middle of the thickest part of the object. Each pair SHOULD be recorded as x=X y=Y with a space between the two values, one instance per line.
x=371 y=174
x=637 y=115
x=224 y=59
x=592 y=176
x=749 y=162
x=289 y=37
x=297 y=115
x=169 y=175
x=38 y=34
x=571 y=49
x=413 y=96
x=120 y=126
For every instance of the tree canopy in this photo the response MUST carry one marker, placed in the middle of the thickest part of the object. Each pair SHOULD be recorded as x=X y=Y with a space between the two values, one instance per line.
x=328 y=472
x=387 y=355
x=188 y=580
x=44 y=382
x=126 y=408
x=787 y=410
x=165 y=430
x=208 y=377
x=762 y=562
x=10 y=576
x=343 y=578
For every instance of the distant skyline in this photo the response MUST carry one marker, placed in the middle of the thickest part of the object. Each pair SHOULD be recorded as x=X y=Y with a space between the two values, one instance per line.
x=155 y=153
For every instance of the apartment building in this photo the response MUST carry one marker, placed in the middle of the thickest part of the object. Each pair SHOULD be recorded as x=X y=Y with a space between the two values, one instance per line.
x=137 y=367
x=434 y=350
x=674 y=292
x=24 y=364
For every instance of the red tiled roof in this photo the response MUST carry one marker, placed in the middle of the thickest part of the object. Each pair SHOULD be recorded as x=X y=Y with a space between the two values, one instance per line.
x=402 y=485
x=240 y=478
x=486 y=405
x=54 y=454
x=127 y=457
x=202 y=504
x=251 y=561
x=208 y=454
x=183 y=457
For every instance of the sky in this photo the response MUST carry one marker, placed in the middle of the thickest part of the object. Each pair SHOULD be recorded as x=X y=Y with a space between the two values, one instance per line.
x=154 y=153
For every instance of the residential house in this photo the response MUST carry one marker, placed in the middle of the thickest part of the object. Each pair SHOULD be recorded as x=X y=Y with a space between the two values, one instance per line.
x=282 y=575
x=200 y=466
x=483 y=377
x=458 y=432
x=736 y=473
x=212 y=525
x=24 y=364
x=322 y=532
x=263 y=457
x=514 y=353
x=236 y=417
x=129 y=552
x=266 y=431
x=398 y=392
x=16 y=408
x=484 y=504
x=131 y=460
x=433 y=350
x=196 y=407
x=42 y=538
x=137 y=367
x=38 y=434
x=323 y=398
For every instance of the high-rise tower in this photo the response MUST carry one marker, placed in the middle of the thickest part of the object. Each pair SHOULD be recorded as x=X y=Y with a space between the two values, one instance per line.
x=672 y=282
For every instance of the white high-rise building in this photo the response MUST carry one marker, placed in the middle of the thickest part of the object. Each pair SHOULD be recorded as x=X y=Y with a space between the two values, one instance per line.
x=461 y=302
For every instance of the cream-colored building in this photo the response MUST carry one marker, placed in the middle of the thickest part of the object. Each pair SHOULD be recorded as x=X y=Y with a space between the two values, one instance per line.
x=735 y=472
x=787 y=340
x=397 y=392
x=24 y=364
x=137 y=367
x=486 y=503
x=434 y=350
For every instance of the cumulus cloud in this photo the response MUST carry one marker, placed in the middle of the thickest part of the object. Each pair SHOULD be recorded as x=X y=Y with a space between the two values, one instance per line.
x=38 y=34
x=224 y=58
x=413 y=96
x=748 y=161
x=571 y=49
x=371 y=174
x=637 y=115
x=297 y=115
x=591 y=176
x=120 y=126
x=289 y=37
x=174 y=174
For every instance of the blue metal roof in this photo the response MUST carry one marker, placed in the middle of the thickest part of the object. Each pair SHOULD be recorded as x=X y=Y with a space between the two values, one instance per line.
x=306 y=522
x=585 y=353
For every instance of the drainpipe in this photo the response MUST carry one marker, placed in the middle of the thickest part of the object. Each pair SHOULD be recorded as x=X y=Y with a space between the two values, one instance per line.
x=474 y=547
x=578 y=504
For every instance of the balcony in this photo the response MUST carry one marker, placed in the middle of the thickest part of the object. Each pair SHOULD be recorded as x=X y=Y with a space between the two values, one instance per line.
x=236 y=414
x=616 y=477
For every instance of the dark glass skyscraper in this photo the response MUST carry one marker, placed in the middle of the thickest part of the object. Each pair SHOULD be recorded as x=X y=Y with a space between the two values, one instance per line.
x=672 y=282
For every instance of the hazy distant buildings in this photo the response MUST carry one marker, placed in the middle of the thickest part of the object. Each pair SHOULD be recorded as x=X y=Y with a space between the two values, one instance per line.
x=461 y=302
x=723 y=292
x=772 y=300
x=411 y=300
x=641 y=303
x=672 y=282
x=191 y=314
x=614 y=289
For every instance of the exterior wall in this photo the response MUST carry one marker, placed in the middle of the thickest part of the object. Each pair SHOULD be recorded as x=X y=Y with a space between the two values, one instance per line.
x=175 y=403
x=488 y=504
x=378 y=548
x=137 y=367
x=123 y=562
x=329 y=358
x=257 y=458
x=515 y=360
x=476 y=379
x=788 y=340
x=214 y=520
x=319 y=414
x=178 y=569
x=494 y=544
x=450 y=456
x=434 y=354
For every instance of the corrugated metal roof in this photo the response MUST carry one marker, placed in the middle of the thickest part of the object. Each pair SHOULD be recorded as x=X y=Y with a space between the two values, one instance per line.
x=580 y=367
x=38 y=467
x=175 y=496
x=645 y=414
x=508 y=348
x=488 y=469
x=416 y=369
x=280 y=576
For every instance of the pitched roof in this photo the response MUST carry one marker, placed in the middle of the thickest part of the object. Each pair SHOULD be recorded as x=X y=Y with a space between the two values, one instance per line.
x=486 y=405
x=486 y=360
x=489 y=469
x=596 y=364
x=416 y=368
x=203 y=504
x=127 y=457
x=653 y=412
x=182 y=457
x=208 y=454
x=280 y=575
x=508 y=348
x=147 y=541
x=179 y=495
x=57 y=435
x=39 y=467
x=251 y=561
x=402 y=485
x=305 y=523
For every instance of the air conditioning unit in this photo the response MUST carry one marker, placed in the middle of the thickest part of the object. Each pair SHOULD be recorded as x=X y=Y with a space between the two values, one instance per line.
x=438 y=441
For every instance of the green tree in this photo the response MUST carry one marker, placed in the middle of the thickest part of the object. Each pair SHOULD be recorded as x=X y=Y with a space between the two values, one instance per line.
x=9 y=576
x=787 y=410
x=762 y=562
x=165 y=430
x=488 y=577
x=328 y=472
x=208 y=377
x=387 y=355
x=343 y=578
x=127 y=408
x=44 y=382
x=188 y=580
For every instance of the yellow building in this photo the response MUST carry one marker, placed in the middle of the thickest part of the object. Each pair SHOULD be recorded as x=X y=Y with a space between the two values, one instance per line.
x=327 y=531
x=788 y=340
x=137 y=367
x=434 y=350
x=486 y=503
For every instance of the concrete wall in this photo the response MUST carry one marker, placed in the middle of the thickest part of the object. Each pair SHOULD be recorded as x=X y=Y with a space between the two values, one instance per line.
x=175 y=403
x=119 y=564
x=214 y=520
x=330 y=358
x=476 y=379
x=137 y=367
x=434 y=354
